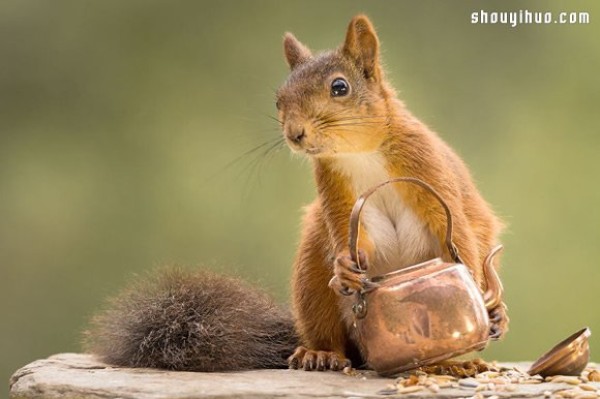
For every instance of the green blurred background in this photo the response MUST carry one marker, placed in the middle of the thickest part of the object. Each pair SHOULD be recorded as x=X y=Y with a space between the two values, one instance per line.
x=118 y=118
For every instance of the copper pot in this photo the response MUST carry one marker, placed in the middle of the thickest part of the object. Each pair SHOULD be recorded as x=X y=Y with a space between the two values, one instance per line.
x=425 y=313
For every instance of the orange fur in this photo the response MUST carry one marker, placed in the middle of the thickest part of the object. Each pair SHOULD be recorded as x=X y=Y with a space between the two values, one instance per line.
x=368 y=122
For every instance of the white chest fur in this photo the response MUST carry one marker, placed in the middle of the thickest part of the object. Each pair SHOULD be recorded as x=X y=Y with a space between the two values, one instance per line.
x=401 y=239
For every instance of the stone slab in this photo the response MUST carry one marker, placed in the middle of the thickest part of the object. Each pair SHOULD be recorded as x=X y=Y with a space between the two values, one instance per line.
x=82 y=376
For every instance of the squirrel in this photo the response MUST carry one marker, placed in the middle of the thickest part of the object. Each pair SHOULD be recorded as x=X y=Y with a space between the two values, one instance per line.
x=337 y=108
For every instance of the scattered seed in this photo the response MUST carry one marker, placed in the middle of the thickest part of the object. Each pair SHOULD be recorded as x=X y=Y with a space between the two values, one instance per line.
x=488 y=374
x=411 y=389
x=498 y=382
x=469 y=383
x=448 y=385
x=444 y=377
x=594 y=376
x=412 y=380
x=566 y=379
x=587 y=387
x=435 y=388
x=567 y=393
x=350 y=371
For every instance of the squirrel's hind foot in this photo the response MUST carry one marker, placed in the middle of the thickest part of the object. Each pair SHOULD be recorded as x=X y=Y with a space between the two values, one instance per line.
x=310 y=360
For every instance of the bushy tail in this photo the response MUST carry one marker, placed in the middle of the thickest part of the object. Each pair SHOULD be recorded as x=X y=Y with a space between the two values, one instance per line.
x=192 y=320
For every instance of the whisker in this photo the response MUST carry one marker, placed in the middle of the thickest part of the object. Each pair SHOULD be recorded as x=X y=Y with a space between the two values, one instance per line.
x=255 y=167
x=274 y=150
x=362 y=117
x=274 y=118
x=252 y=150
x=346 y=114
x=358 y=123
x=245 y=156
x=330 y=119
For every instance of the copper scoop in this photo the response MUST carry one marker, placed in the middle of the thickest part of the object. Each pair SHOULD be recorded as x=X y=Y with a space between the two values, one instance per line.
x=569 y=357
x=425 y=313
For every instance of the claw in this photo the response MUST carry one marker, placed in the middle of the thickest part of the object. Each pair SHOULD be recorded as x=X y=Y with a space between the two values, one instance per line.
x=499 y=322
x=495 y=332
x=335 y=364
x=362 y=260
x=310 y=360
x=354 y=268
x=345 y=291
x=349 y=277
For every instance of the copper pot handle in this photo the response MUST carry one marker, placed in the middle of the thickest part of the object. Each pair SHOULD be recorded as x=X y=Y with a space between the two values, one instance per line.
x=358 y=206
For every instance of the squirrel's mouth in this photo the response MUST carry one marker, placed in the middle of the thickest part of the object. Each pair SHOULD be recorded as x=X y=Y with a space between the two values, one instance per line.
x=312 y=150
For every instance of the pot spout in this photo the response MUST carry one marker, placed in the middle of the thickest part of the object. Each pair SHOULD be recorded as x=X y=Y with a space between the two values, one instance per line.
x=493 y=295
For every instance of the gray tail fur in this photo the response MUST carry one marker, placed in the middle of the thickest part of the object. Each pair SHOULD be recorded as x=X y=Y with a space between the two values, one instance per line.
x=192 y=320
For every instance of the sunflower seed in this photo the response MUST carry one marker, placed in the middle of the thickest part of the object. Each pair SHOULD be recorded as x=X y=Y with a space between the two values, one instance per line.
x=566 y=379
x=469 y=383
x=411 y=389
x=587 y=387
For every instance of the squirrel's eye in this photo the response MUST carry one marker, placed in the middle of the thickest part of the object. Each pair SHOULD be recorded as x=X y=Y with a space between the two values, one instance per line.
x=339 y=87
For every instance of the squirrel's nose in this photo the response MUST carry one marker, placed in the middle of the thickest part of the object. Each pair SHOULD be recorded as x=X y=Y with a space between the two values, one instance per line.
x=296 y=135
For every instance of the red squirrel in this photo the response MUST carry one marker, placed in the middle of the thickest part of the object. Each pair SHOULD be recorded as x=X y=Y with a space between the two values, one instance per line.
x=337 y=108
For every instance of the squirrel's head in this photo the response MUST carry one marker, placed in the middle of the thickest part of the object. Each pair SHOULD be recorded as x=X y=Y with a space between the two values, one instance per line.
x=335 y=102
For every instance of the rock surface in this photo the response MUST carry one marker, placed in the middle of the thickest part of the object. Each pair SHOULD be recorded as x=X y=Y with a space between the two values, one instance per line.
x=82 y=376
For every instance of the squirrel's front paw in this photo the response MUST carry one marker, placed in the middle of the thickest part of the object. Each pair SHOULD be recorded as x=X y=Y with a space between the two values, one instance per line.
x=499 y=321
x=348 y=277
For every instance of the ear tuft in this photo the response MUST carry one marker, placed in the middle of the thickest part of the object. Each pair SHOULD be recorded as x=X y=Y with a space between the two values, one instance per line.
x=362 y=45
x=295 y=52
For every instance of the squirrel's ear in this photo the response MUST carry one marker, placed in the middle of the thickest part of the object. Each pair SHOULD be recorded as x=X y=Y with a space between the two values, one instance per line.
x=295 y=52
x=362 y=45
